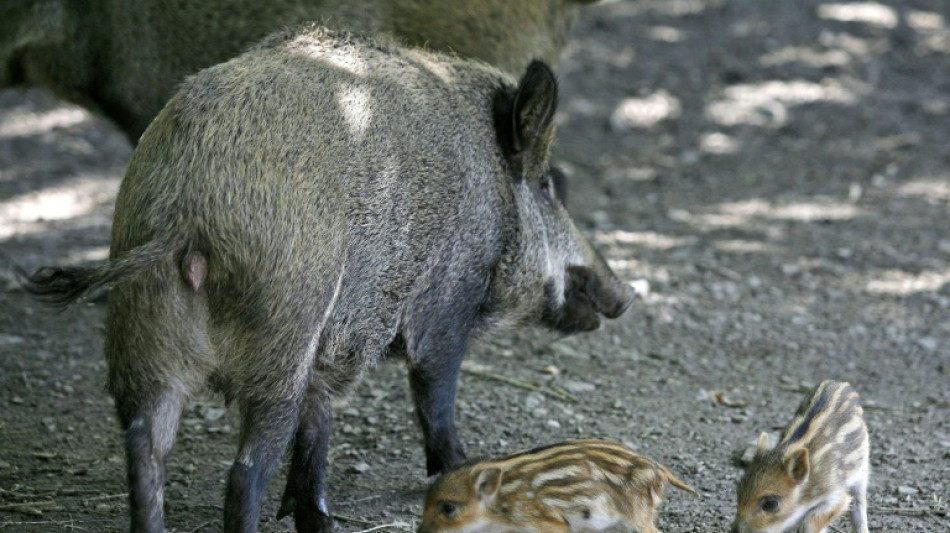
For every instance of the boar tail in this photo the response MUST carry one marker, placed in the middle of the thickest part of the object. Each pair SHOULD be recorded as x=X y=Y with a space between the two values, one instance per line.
x=61 y=286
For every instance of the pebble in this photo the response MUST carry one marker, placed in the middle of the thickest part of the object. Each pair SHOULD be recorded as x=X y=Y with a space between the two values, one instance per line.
x=533 y=400
x=641 y=287
x=360 y=468
x=904 y=490
x=928 y=343
x=553 y=424
x=10 y=340
x=578 y=386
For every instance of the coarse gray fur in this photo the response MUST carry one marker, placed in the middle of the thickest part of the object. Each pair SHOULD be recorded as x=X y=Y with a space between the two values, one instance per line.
x=296 y=213
x=126 y=58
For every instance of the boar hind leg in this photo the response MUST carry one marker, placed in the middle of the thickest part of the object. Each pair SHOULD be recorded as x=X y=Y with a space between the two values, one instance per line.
x=150 y=427
x=305 y=494
x=266 y=428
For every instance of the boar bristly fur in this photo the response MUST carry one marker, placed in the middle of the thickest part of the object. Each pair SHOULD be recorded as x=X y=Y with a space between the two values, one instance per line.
x=298 y=212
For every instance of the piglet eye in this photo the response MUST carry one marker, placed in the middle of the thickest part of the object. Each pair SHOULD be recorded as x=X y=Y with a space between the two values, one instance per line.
x=770 y=504
x=448 y=508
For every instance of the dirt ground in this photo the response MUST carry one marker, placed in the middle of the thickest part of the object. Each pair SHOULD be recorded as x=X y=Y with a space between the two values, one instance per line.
x=778 y=172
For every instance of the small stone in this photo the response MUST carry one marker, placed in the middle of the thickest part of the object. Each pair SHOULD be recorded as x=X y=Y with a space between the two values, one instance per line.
x=372 y=420
x=68 y=389
x=351 y=411
x=578 y=386
x=566 y=350
x=791 y=269
x=554 y=424
x=360 y=468
x=17 y=400
x=904 y=490
x=641 y=287
x=928 y=343
x=539 y=412
x=10 y=340
x=552 y=370
x=533 y=401
x=844 y=253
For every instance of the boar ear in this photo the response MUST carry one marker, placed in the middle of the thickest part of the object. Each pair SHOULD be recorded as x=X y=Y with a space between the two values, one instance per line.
x=487 y=483
x=534 y=105
x=763 y=444
x=796 y=465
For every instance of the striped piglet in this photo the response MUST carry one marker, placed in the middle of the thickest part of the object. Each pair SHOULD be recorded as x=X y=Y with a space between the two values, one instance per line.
x=818 y=467
x=581 y=485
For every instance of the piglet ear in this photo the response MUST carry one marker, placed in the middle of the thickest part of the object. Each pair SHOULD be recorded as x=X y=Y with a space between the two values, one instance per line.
x=797 y=465
x=534 y=105
x=487 y=483
x=763 y=444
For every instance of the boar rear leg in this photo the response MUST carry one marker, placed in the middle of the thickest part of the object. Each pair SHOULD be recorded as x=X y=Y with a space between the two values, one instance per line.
x=306 y=493
x=266 y=427
x=150 y=428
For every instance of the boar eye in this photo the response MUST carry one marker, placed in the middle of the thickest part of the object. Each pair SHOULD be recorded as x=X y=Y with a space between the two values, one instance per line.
x=448 y=509
x=546 y=185
x=770 y=504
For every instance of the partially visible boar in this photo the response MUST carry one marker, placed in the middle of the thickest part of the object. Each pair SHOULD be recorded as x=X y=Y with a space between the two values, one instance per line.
x=296 y=213
x=126 y=58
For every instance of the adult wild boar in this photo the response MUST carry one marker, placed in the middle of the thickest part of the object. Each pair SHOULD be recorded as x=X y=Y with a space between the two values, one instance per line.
x=300 y=211
x=126 y=58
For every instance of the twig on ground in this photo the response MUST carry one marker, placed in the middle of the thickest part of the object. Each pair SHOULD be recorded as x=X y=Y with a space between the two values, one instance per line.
x=203 y=525
x=374 y=528
x=939 y=511
x=558 y=392
x=342 y=518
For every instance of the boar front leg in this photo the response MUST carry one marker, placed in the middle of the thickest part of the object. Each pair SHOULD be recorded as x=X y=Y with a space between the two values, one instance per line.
x=434 y=385
x=306 y=493
x=435 y=358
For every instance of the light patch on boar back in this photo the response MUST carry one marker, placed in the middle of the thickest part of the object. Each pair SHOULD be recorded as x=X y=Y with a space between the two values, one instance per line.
x=355 y=101
x=342 y=58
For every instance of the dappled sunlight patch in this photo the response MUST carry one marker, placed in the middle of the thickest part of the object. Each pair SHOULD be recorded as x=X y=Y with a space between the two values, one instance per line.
x=357 y=112
x=341 y=58
x=88 y=255
x=806 y=56
x=870 y=13
x=21 y=122
x=931 y=29
x=755 y=210
x=936 y=189
x=666 y=34
x=743 y=246
x=719 y=143
x=900 y=283
x=28 y=213
x=924 y=21
x=645 y=112
x=644 y=239
x=767 y=103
